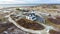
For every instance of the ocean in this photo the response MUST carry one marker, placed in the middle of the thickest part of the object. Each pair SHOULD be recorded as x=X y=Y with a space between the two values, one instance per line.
x=16 y=5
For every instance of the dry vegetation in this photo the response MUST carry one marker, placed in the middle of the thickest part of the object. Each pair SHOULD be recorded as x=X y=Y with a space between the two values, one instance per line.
x=54 y=32
x=30 y=24
x=55 y=23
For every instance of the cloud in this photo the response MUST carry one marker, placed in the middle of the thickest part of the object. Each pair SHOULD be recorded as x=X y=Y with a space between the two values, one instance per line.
x=29 y=1
x=12 y=2
x=6 y=0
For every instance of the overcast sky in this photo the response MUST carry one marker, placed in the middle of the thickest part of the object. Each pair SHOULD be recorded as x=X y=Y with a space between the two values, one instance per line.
x=29 y=1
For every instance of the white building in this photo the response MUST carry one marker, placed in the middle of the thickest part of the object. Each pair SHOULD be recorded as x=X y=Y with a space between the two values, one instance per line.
x=31 y=16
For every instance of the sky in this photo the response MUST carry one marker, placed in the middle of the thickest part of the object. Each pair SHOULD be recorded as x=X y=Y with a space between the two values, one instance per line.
x=29 y=1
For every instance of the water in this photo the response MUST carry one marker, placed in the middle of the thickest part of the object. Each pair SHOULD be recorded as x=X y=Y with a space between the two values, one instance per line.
x=16 y=5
